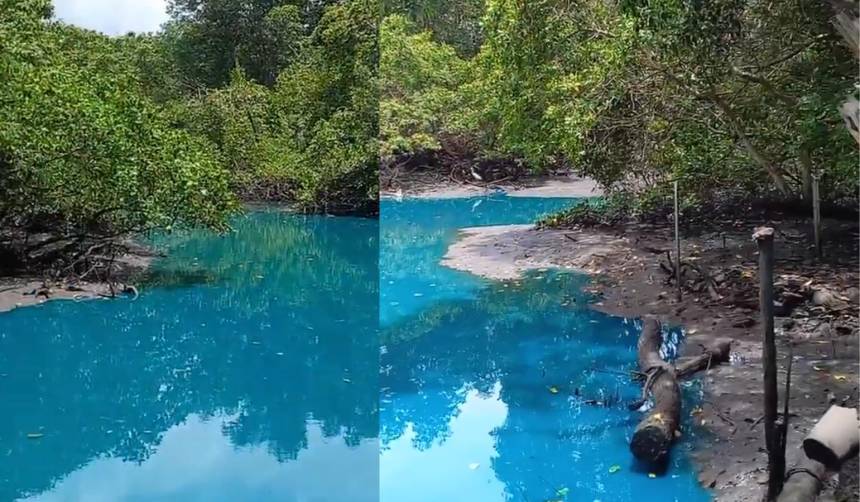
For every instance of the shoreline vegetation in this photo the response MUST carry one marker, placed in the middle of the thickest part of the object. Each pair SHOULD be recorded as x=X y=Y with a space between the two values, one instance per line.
x=104 y=138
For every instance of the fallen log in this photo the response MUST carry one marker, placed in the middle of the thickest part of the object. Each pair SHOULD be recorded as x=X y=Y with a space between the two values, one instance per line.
x=655 y=433
x=714 y=354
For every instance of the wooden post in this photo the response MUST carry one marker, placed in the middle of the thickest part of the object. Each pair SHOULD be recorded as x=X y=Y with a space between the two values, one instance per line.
x=775 y=456
x=677 y=246
x=816 y=214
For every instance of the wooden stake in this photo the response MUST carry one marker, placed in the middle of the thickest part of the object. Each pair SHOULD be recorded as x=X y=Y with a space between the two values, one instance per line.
x=677 y=246
x=775 y=458
x=783 y=435
x=816 y=214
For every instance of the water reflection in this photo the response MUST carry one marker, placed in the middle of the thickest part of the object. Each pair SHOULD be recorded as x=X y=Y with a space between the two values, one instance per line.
x=513 y=391
x=252 y=353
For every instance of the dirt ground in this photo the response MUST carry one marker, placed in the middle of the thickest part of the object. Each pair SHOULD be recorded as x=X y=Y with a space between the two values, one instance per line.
x=818 y=322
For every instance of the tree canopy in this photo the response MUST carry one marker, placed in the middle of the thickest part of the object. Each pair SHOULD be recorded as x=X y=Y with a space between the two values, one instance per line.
x=82 y=148
x=736 y=96
x=232 y=100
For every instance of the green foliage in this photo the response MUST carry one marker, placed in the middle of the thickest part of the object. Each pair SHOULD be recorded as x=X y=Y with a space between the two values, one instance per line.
x=82 y=149
x=419 y=86
x=311 y=138
x=209 y=37
x=528 y=93
x=724 y=95
x=102 y=136
x=235 y=119
x=325 y=109
x=456 y=23
x=587 y=213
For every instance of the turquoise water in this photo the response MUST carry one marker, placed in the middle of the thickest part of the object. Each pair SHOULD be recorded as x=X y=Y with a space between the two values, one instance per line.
x=246 y=370
x=251 y=368
x=485 y=385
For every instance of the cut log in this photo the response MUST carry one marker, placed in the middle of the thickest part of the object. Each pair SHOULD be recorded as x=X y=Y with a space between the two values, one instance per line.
x=835 y=438
x=655 y=433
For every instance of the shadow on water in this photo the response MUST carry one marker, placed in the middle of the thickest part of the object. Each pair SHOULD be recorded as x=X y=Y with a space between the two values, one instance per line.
x=239 y=385
x=515 y=390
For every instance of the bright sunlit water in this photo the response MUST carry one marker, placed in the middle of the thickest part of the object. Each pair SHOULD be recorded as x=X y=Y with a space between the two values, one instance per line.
x=247 y=370
x=485 y=386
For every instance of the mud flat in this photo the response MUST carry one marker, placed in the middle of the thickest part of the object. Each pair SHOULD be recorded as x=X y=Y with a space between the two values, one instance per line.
x=27 y=291
x=628 y=280
x=429 y=186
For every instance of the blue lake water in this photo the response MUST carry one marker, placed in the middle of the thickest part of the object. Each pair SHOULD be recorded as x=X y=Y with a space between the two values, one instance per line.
x=249 y=369
x=485 y=385
x=246 y=370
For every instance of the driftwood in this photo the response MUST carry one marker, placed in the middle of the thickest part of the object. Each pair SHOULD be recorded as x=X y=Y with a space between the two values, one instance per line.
x=656 y=432
x=710 y=356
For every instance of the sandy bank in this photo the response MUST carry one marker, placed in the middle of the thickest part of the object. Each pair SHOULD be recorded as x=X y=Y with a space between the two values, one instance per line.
x=506 y=251
x=534 y=186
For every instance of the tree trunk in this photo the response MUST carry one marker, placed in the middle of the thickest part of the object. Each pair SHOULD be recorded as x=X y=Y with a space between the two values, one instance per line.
x=752 y=151
x=806 y=175
x=655 y=434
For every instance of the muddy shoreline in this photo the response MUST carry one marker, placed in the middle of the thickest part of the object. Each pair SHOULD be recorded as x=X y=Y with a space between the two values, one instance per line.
x=29 y=290
x=429 y=186
x=628 y=281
